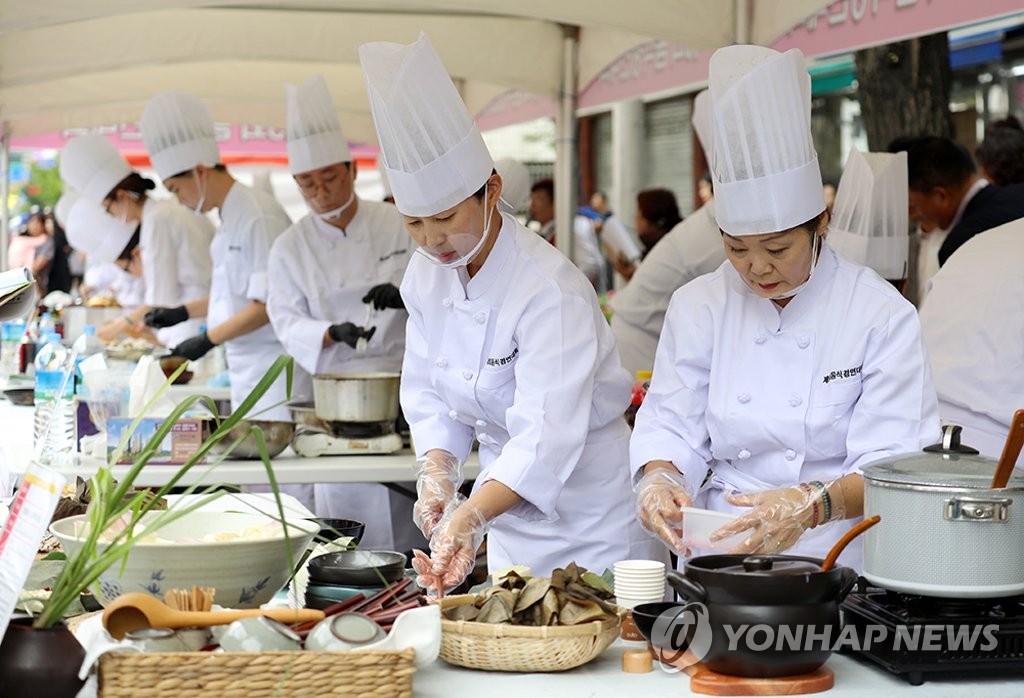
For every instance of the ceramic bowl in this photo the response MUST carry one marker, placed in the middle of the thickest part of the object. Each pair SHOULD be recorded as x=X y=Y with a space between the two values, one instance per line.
x=357 y=567
x=259 y=634
x=344 y=631
x=21 y=396
x=245 y=572
x=332 y=529
x=169 y=364
x=336 y=592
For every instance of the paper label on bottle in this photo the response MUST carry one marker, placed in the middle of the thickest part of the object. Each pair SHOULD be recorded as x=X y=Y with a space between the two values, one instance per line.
x=26 y=524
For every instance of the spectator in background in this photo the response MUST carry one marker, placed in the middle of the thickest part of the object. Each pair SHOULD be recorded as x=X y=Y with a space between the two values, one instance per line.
x=828 y=189
x=705 y=190
x=656 y=214
x=33 y=248
x=586 y=253
x=946 y=192
x=60 y=270
x=1001 y=155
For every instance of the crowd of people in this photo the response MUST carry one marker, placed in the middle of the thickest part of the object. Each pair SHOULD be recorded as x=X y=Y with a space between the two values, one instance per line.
x=784 y=355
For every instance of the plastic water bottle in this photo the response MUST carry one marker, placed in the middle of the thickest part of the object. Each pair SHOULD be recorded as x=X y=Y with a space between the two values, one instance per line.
x=54 y=404
x=47 y=325
x=85 y=346
x=11 y=339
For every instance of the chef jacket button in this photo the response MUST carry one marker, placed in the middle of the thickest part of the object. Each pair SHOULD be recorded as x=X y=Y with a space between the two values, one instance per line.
x=480 y=317
x=743 y=454
x=447 y=302
x=803 y=342
x=441 y=363
x=761 y=338
x=743 y=397
x=453 y=414
x=790 y=454
x=468 y=375
x=795 y=400
x=481 y=423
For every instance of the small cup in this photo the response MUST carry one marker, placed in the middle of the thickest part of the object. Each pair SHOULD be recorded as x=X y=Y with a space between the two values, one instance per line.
x=259 y=634
x=156 y=640
x=344 y=631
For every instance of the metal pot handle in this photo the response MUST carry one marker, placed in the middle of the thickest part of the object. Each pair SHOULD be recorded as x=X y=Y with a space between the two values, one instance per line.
x=847 y=583
x=686 y=587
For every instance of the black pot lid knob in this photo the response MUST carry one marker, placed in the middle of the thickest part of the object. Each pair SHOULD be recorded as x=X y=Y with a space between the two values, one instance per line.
x=951 y=442
x=757 y=563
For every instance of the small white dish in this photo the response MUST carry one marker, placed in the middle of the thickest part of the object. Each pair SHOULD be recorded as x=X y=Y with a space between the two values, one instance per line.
x=699 y=524
x=345 y=631
x=259 y=634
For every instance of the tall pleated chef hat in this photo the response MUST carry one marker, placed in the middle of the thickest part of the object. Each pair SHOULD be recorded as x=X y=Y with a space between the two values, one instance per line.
x=700 y=119
x=93 y=231
x=764 y=165
x=92 y=166
x=515 y=183
x=869 y=217
x=315 y=138
x=179 y=133
x=62 y=210
x=433 y=153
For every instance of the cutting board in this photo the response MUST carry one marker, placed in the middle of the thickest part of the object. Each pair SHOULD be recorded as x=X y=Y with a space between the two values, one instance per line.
x=709 y=683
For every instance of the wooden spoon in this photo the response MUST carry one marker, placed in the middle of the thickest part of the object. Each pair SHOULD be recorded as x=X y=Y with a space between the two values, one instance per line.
x=833 y=554
x=1011 y=449
x=136 y=610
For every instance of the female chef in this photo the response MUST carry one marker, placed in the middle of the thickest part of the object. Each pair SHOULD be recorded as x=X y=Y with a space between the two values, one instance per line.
x=788 y=368
x=171 y=251
x=505 y=343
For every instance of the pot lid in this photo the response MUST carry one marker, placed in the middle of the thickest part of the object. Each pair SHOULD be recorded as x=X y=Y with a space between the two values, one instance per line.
x=771 y=565
x=949 y=464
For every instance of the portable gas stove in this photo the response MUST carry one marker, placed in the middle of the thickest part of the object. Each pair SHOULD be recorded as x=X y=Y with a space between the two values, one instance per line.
x=920 y=636
x=315 y=437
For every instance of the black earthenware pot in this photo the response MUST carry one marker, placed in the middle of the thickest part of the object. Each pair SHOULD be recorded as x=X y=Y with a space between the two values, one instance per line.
x=39 y=662
x=768 y=615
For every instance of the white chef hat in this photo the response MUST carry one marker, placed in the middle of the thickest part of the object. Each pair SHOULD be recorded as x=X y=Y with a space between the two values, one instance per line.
x=62 y=211
x=92 y=166
x=700 y=118
x=433 y=153
x=515 y=183
x=388 y=194
x=764 y=166
x=869 y=217
x=315 y=138
x=93 y=231
x=179 y=133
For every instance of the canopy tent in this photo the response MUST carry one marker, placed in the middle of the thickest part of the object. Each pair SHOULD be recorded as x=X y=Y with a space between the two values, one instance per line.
x=67 y=63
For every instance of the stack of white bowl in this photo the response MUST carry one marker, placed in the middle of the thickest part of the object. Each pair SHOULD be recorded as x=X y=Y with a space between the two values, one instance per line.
x=638 y=582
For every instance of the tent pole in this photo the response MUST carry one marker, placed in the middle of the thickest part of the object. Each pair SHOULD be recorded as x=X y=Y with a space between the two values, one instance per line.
x=566 y=155
x=741 y=31
x=5 y=188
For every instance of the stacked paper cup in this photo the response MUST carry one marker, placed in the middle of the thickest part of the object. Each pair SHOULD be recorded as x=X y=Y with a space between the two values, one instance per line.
x=639 y=581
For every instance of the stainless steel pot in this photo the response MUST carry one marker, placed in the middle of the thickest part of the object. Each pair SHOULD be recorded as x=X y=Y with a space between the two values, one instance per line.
x=356 y=397
x=944 y=530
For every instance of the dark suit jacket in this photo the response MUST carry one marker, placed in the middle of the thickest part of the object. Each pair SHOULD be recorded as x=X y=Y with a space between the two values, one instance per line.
x=990 y=207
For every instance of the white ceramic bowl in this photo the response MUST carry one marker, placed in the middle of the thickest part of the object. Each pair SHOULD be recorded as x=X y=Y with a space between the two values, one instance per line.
x=699 y=524
x=245 y=573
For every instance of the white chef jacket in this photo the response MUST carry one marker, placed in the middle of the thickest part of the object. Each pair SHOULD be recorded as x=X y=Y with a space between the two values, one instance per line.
x=586 y=252
x=973 y=327
x=250 y=222
x=321 y=275
x=769 y=397
x=693 y=247
x=175 y=248
x=520 y=357
x=102 y=277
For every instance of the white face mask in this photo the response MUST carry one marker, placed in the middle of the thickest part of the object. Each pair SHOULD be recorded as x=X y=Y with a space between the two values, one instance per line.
x=814 y=262
x=461 y=242
x=329 y=216
x=198 y=210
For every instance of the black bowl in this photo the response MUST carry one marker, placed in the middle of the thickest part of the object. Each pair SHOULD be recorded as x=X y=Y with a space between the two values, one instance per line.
x=357 y=567
x=21 y=396
x=645 y=615
x=332 y=529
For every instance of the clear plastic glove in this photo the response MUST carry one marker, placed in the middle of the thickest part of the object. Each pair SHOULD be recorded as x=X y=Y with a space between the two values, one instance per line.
x=438 y=477
x=166 y=317
x=780 y=516
x=660 y=495
x=453 y=548
x=350 y=333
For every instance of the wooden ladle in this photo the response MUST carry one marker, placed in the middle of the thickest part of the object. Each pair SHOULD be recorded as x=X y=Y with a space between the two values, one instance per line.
x=135 y=611
x=833 y=554
x=1011 y=449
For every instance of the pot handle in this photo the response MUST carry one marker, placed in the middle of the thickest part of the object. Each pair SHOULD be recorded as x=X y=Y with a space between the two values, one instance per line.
x=846 y=584
x=686 y=587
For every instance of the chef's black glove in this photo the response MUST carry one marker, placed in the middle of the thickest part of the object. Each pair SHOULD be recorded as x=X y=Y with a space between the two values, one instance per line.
x=194 y=347
x=166 y=317
x=349 y=334
x=384 y=296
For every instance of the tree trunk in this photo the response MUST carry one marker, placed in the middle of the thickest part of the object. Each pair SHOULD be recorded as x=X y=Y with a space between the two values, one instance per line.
x=904 y=89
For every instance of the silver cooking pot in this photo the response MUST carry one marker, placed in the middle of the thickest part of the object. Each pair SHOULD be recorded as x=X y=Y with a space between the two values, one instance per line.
x=356 y=397
x=944 y=530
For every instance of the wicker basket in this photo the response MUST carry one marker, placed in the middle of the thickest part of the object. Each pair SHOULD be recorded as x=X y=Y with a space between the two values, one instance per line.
x=256 y=674
x=499 y=647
